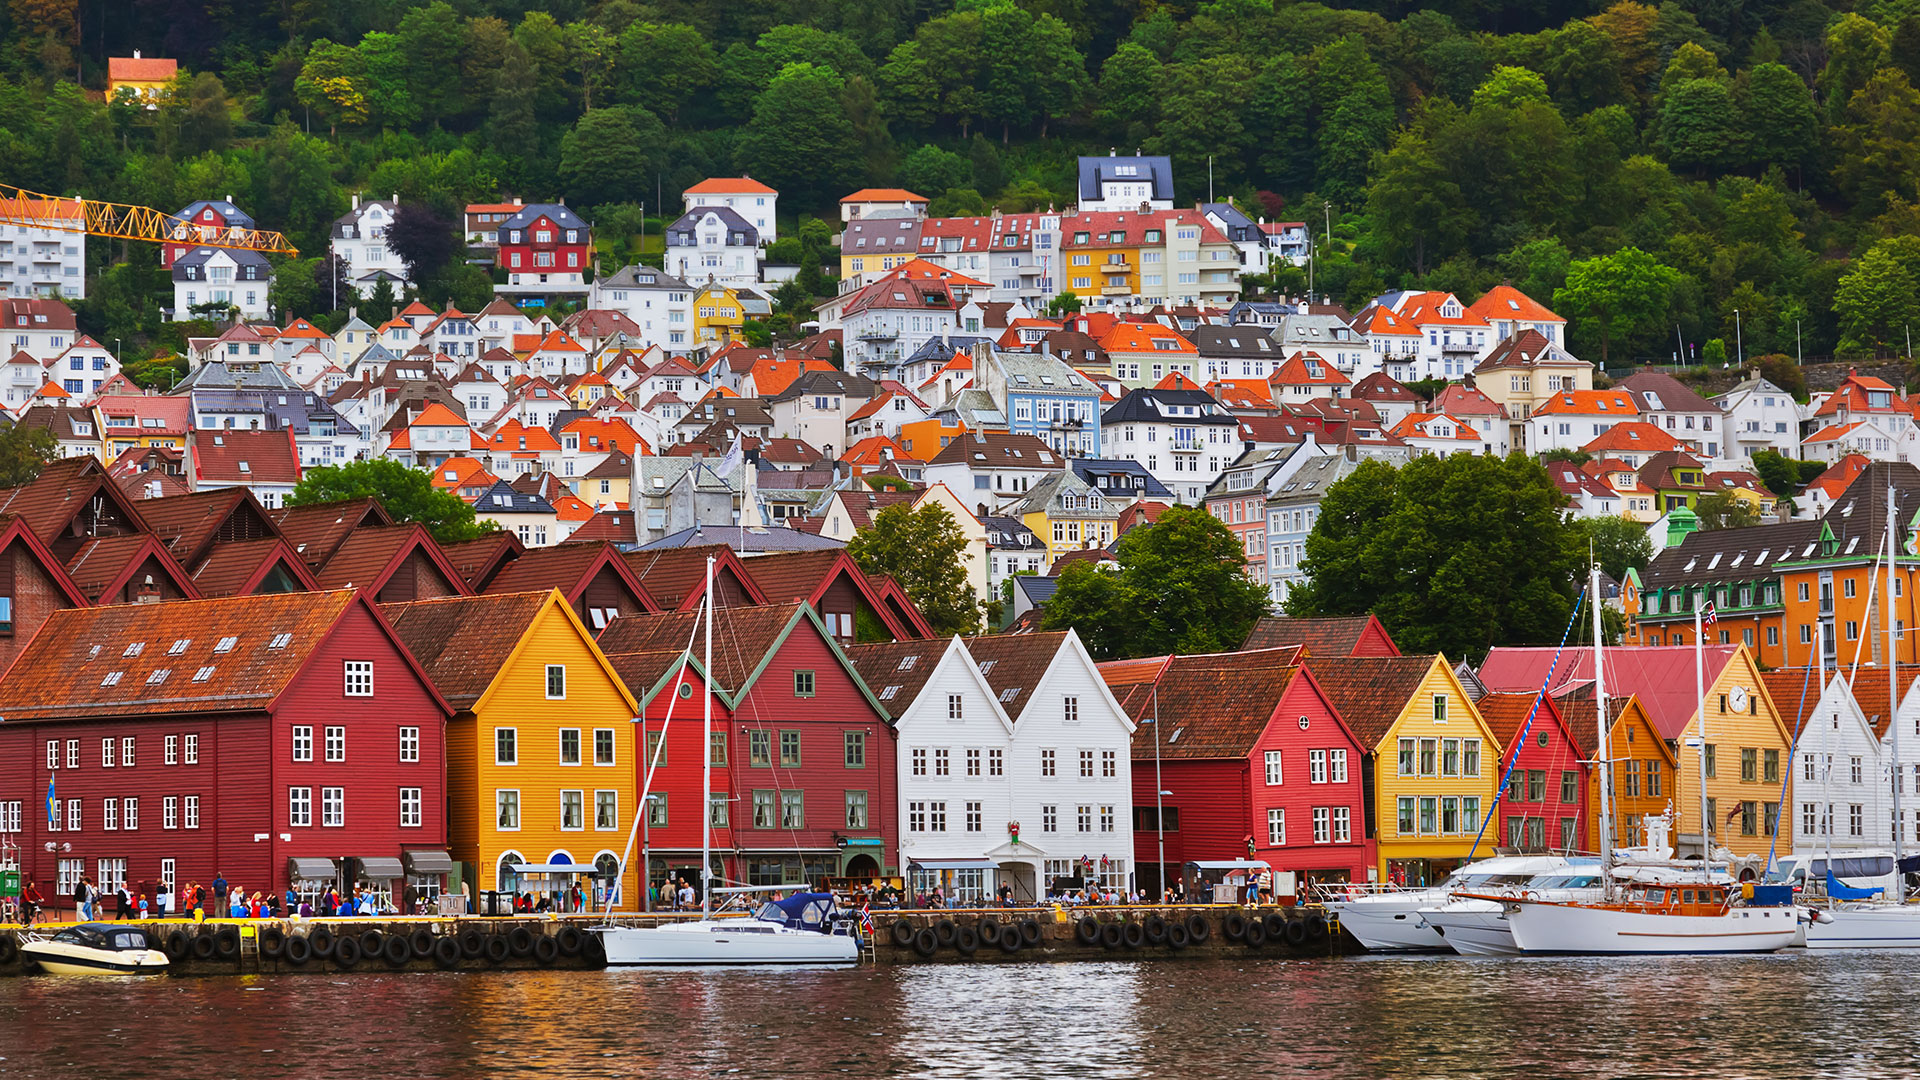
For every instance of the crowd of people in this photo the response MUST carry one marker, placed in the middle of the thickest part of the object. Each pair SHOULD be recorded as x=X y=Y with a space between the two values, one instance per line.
x=216 y=899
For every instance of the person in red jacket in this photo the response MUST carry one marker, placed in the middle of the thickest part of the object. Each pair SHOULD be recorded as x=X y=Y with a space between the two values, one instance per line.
x=30 y=903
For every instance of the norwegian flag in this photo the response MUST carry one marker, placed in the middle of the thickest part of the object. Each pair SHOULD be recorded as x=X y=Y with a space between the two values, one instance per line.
x=866 y=920
x=1708 y=616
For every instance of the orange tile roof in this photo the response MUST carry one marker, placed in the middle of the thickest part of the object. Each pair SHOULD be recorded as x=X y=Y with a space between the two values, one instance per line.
x=1380 y=319
x=1509 y=303
x=140 y=69
x=884 y=194
x=1633 y=436
x=1414 y=425
x=870 y=451
x=730 y=185
x=437 y=415
x=1141 y=337
x=1589 y=403
x=1422 y=309
x=507 y=438
x=1832 y=432
x=1295 y=372
x=1242 y=393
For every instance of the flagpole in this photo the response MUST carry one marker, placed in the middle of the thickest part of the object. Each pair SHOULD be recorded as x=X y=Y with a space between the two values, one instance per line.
x=1700 y=690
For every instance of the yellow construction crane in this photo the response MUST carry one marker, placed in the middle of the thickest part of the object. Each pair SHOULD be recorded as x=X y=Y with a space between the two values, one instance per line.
x=122 y=221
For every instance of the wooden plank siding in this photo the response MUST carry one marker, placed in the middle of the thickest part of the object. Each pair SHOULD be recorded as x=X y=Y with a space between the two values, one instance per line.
x=1305 y=722
x=1424 y=853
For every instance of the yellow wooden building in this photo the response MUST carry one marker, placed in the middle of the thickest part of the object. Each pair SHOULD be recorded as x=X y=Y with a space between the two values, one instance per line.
x=1433 y=761
x=1644 y=769
x=1746 y=761
x=540 y=754
x=718 y=317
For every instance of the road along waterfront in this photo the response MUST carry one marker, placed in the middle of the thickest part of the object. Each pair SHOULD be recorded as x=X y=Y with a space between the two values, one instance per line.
x=1791 y=1014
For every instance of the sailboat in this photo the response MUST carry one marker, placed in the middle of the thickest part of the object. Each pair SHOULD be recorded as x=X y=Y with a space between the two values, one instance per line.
x=1877 y=917
x=805 y=928
x=1644 y=907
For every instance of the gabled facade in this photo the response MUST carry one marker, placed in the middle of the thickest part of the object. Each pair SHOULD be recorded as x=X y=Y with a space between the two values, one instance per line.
x=545 y=249
x=1544 y=807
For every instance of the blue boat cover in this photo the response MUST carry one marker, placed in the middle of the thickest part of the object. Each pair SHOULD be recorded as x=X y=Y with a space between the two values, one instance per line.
x=801 y=911
x=1848 y=892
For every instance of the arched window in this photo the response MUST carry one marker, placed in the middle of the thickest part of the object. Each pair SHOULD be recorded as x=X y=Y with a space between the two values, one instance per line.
x=606 y=879
x=505 y=877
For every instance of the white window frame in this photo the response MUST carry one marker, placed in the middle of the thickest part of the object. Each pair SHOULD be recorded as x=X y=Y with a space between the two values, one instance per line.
x=357 y=676
x=333 y=807
x=299 y=807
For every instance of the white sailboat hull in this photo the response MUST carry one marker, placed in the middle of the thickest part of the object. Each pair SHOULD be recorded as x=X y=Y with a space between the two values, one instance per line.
x=1572 y=928
x=1393 y=922
x=1867 y=926
x=1473 y=928
x=724 y=941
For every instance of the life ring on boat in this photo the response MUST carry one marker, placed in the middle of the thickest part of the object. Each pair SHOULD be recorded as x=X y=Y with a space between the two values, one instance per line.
x=520 y=940
x=926 y=943
x=273 y=942
x=203 y=947
x=1087 y=930
x=297 y=952
x=1177 y=936
x=498 y=948
x=1234 y=926
x=1011 y=941
x=1316 y=926
x=1029 y=932
x=347 y=952
x=395 y=951
x=989 y=929
x=177 y=947
x=1156 y=930
x=1296 y=931
x=901 y=932
x=1111 y=935
x=1133 y=935
x=1198 y=928
x=966 y=940
x=446 y=954
x=945 y=930
x=226 y=942
x=321 y=942
x=421 y=942
x=545 y=950
x=1255 y=935
x=473 y=943
x=1275 y=923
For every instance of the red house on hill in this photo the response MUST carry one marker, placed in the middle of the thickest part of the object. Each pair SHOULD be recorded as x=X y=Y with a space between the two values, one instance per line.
x=272 y=739
x=1544 y=807
x=1253 y=756
x=803 y=754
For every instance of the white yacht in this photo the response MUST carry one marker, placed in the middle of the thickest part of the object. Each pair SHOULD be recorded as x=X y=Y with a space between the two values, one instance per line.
x=1389 y=918
x=1857 y=894
x=96 y=949
x=1479 y=927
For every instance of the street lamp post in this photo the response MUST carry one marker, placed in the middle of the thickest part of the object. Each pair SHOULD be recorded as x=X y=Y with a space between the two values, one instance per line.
x=1159 y=806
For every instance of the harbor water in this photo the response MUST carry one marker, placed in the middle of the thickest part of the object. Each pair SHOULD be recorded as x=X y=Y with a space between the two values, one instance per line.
x=1787 y=1015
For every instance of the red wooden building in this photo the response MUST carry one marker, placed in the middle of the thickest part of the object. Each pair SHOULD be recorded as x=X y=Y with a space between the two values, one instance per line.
x=544 y=247
x=592 y=576
x=803 y=754
x=1251 y=759
x=272 y=739
x=1544 y=807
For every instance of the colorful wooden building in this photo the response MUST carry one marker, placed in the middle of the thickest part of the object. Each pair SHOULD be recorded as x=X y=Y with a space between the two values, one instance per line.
x=540 y=754
x=1544 y=806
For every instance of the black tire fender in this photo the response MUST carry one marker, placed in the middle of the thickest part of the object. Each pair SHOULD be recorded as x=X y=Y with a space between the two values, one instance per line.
x=273 y=943
x=1111 y=936
x=421 y=942
x=1030 y=933
x=322 y=943
x=901 y=932
x=1133 y=935
x=177 y=947
x=1255 y=936
x=203 y=947
x=446 y=953
x=945 y=929
x=545 y=950
x=297 y=952
x=347 y=952
x=571 y=940
x=520 y=940
x=1198 y=928
x=1177 y=936
x=226 y=942
x=498 y=949
x=395 y=951
x=1234 y=927
x=1156 y=930
x=990 y=930
x=1276 y=925
x=926 y=943
x=1296 y=931
x=966 y=941
x=1010 y=942
x=1087 y=930
x=473 y=943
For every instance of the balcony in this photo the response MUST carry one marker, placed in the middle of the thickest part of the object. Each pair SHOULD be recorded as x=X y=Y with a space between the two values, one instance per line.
x=1186 y=446
x=878 y=333
x=1116 y=290
x=1028 y=270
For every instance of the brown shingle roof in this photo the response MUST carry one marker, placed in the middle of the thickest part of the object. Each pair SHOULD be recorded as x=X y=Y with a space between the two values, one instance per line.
x=1506 y=714
x=231 y=569
x=1335 y=636
x=1370 y=692
x=368 y=555
x=68 y=669
x=615 y=525
x=1215 y=705
x=567 y=567
x=269 y=457
x=897 y=671
x=463 y=641
x=796 y=575
x=673 y=576
x=479 y=559
x=103 y=564
x=1013 y=665
x=62 y=490
x=641 y=647
x=188 y=524
x=317 y=530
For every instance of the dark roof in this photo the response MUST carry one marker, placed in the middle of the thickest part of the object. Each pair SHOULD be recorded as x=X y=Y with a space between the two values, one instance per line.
x=1036 y=588
x=1235 y=341
x=504 y=498
x=1097 y=170
x=1097 y=471
x=230 y=569
x=317 y=530
x=642 y=648
x=1144 y=406
x=1209 y=706
x=569 y=567
x=1013 y=666
x=615 y=526
x=897 y=671
x=463 y=641
x=741 y=232
x=63 y=490
x=1370 y=692
x=188 y=524
x=369 y=556
x=1661 y=392
x=998 y=449
x=1325 y=637
x=477 y=560
x=1731 y=554
x=745 y=539
x=532 y=212
x=247 y=457
x=675 y=576
x=103 y=564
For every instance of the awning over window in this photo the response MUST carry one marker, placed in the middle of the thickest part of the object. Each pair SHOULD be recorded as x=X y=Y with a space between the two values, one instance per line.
x=1231 y=864
x=429 y=863
x=554 y=868
x=308 y=869
x=380 y=869
x=955 y=864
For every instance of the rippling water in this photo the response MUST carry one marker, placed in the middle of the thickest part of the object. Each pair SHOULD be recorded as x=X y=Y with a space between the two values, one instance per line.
x=1789 y=1015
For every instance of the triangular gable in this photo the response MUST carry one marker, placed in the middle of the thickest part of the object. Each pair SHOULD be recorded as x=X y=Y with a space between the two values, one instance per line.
x=812 y=588
x=572 y=576
x=249 y=567
x=109 y=564
x=1407 y=709
x=16 y=531
x=190 y=525
x=362 y=601
x=65 y=491
x=479 y=560
x=527 y=635
x=1073 y=651
x=364 y=564
x=902 y=606
x=677 y=576
x=806 y=614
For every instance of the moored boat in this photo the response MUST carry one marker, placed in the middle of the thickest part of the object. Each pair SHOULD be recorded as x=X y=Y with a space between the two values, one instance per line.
x=1475 y=927
x=1389 y=918
x=807 y=928
x=96 y=949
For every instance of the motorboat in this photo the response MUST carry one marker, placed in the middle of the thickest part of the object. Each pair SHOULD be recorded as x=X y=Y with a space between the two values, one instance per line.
x=1388 y=918
x=1669 y=917
x=96 y=949
x=1474 y=927
x=1856 y=896
x=806 y=928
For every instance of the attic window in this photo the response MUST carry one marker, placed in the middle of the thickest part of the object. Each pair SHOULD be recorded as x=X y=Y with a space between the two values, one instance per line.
x=134 y=649
x=888 y=693
x=280 y=641
x=159 y=676
x=203 y=674
x=1175 y=737
x=112 y=679
x=179 y=647
x=1009 y=694
x=906 y=663
x=987 y=665
x=245 y=468
x=93 y=652
x=225 y=644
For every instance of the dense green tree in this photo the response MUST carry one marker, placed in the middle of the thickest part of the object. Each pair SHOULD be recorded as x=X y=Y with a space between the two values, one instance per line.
x=1879 y=298
x=1181 y=586
x=930 y=170
x=1700 y=127
x=1508 y=87
x=1725 y=510
x=427 y=240
x=1355 y=112
x=24 y=451
x=1617 y=543
x=800 y=139
x=206 y=122
x=609 y=155
x=407 y=494
x=1620 y=293
x=1454 y=554
x=924 y=550
x=1856 y=47
x=662 y=66
x=1879 y=144
x=429 y=40
x=1418 y=211
x=1129 y=97
x=1780 y=128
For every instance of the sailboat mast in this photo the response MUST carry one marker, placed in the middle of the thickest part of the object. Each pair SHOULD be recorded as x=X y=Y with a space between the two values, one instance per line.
x=1893 y=674
x=1700 y=693
x=1600 y=723
x=706 y=757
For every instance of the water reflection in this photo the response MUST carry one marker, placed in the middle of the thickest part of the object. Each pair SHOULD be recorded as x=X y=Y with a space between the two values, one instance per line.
x=1789 y=1015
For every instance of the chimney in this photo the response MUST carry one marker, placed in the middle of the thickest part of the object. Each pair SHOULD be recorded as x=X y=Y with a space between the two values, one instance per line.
x=147 y=593
x=153 y=489
x=136 y=54
x=356 y=200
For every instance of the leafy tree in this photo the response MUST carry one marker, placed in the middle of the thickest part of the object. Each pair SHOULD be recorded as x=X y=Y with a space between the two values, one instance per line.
x=1879 y=296
x=1725 y=510
x=1780 y=125
x=408 y=495
x=1620 y=292
x=609 y=153
x=800 y=139
x=1455 y=554
x=929 y=170
x=663 y=66
x=1784 y=476
x=1129 y=98
x=923 y=549
x=1878 y=148
x=426 y=240
x=24 y=451
x=1181 y=586
x=1507 y=87
x=429 y=41
x=1616 y=542
x=1700 y=127
x=205 y=122
x=1066 y=303
x=1418 y=212
x=1356 y=115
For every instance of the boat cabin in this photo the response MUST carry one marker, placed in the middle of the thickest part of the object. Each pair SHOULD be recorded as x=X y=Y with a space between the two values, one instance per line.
x=1677 y=899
